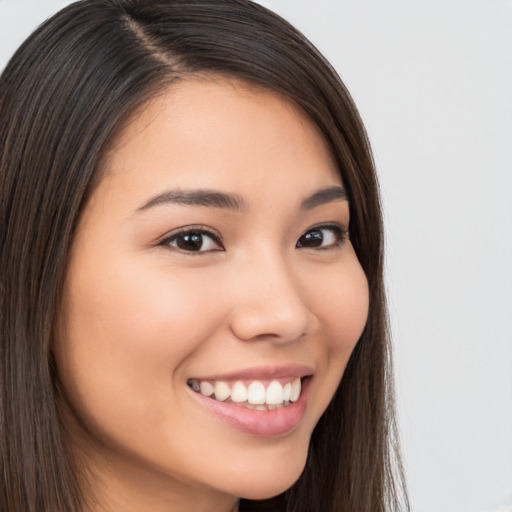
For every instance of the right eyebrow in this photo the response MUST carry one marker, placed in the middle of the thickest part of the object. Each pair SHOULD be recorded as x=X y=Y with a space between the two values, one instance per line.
x=324 y=196
x=199 y=197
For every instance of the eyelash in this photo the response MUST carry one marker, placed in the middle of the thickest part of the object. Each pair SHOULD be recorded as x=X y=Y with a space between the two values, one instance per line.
x=340 y=234
x=196 y=230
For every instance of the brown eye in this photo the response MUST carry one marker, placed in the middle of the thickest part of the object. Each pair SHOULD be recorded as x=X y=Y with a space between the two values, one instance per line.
x=323 y=237
x=193 y=241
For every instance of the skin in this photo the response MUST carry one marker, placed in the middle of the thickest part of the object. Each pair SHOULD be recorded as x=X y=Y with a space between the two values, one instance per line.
x=139 y=318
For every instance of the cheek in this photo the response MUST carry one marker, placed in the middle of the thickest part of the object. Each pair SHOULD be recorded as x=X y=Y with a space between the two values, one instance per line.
x=132 y=310
x=341 y=304
x=127 y=332
x=343 y=308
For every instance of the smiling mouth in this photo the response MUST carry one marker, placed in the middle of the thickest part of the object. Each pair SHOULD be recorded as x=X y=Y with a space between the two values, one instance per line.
x=260 y=395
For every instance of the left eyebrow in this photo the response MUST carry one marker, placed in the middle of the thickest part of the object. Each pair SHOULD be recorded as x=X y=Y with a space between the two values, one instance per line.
x=207 y=198
x=324 y=196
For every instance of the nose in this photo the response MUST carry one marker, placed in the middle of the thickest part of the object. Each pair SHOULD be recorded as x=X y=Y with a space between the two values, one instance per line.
x=269 y=303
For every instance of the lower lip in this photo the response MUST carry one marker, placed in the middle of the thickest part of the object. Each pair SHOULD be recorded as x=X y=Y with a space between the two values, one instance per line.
x=259 y=423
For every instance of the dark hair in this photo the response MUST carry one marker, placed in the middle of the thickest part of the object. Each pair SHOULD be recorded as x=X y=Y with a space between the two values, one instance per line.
x=63 y=96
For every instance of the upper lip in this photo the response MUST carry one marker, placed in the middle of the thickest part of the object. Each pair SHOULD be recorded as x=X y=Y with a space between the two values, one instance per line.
x=262 y=373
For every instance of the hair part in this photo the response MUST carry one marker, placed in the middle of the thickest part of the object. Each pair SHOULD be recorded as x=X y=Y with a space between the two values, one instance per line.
x=63 y=97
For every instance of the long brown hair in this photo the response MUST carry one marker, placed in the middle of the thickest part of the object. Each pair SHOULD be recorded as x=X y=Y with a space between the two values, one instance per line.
x=63 y=95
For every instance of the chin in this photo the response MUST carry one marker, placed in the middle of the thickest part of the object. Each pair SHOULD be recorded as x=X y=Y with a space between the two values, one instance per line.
x=264 y=484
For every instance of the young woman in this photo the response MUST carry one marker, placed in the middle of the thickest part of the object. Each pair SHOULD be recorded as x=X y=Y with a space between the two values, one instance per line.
x=191 y=254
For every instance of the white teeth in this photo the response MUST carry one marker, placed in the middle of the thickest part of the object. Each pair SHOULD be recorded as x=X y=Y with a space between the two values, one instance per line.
x=295 y=390
x=256 y=393
x=222 y=391
x=287 y=392
x=239 y=392
x=256 y=396
x=206 y=389
x=274 y=393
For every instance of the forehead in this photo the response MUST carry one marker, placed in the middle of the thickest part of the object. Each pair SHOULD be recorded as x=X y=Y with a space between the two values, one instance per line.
x=211 y=131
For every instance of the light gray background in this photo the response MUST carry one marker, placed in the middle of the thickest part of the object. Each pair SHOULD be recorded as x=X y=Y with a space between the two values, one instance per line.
x=433 y=82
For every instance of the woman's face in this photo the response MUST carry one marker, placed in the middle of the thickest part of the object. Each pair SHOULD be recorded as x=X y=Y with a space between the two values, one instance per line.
x=211 y=268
